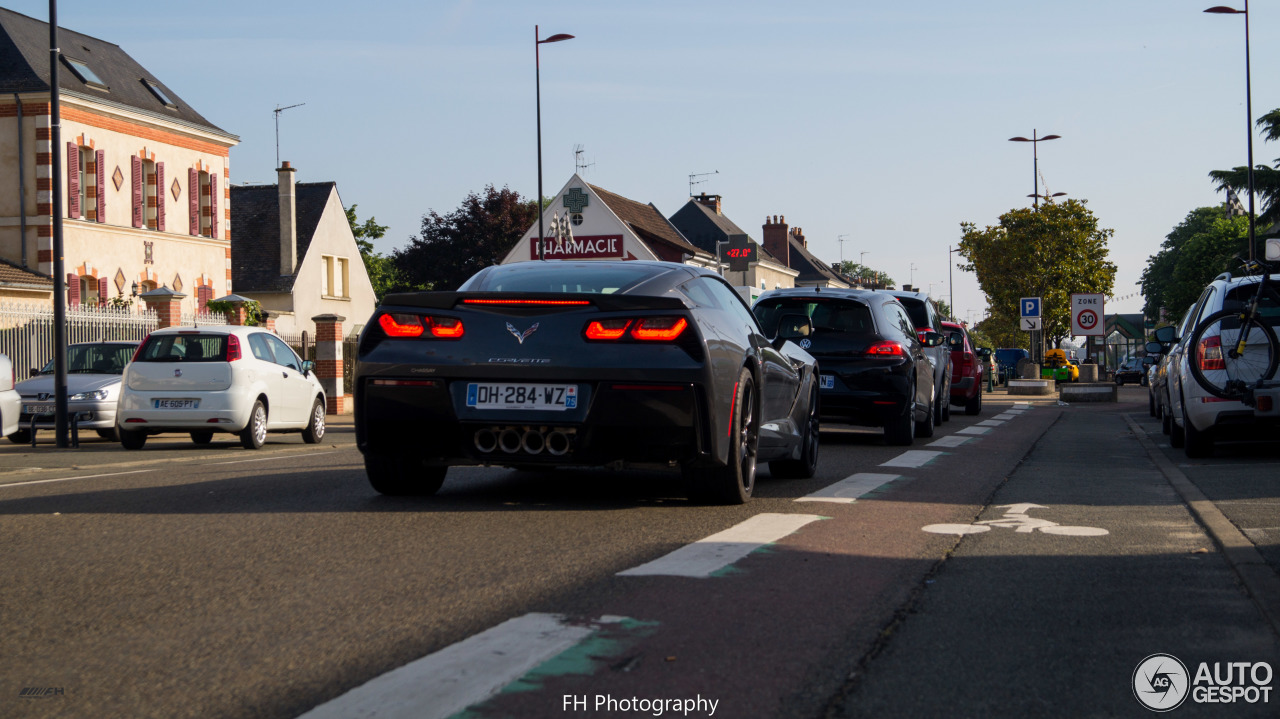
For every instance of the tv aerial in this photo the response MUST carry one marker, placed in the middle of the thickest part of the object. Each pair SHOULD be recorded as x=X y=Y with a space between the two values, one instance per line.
x=693 y=181
x=277 y=112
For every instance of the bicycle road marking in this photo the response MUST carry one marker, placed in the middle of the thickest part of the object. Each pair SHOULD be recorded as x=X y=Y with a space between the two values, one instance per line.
x=913 y=458
x=68 y=479
x=847 y=490
x=1017 y=518
x=711 y=554
x=950 y=440
x=444 y=683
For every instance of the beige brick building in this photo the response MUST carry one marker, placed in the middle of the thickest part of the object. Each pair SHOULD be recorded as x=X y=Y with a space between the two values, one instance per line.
x=144 y=177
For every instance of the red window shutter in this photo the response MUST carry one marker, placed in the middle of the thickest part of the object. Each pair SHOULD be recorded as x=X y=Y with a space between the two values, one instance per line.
x=160 y=198
x=104 y=290
x=101 y=184
x=193 y=200
x=203 y=294
x=73 y=289
x=139 y=183
x=213 y=206
x=73 y=180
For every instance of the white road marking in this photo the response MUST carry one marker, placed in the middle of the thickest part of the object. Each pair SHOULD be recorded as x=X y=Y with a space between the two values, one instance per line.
x=442 y=684
x=850 y=488
x=990 y=423
x=68 y=479
x=268 y=459
x=950 y=440
x=974 y=430
x=1022 y=405
x=1016 y=517
x=913 y=458
x=1006 y=416
x=709 y=555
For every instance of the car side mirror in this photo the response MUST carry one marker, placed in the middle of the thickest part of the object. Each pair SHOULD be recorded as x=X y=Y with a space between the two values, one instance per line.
x=307 y=367
x=1157 y=348
x=933 y=339
x=984 y=352
x=1166 y=334
x=793 y=327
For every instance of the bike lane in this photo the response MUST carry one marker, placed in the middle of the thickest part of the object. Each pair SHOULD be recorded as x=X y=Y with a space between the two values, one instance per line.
x=775 y=633
x=1038 y=612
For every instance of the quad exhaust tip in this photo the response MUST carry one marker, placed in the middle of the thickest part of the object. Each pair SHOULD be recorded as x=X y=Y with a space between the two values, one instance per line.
x=527 y=439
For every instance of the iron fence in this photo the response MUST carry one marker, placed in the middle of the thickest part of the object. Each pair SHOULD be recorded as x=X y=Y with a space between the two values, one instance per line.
x=196 y=319
x=26 y=331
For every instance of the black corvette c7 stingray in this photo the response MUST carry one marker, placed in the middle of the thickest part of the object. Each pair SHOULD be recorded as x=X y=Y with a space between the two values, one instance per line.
x=584 y=364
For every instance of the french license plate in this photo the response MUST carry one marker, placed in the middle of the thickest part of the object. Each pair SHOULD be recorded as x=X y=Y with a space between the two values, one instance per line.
x=828 y=381
x=176 y=403
x=37 y=409
x=504 y=395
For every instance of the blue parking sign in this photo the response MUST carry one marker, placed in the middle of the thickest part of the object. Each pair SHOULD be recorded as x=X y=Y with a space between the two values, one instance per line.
x=1029 y=306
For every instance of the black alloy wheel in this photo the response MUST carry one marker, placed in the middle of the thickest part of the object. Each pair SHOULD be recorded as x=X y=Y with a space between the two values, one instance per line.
x=734 y=482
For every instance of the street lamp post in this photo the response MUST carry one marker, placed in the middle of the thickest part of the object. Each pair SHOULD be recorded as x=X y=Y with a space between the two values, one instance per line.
x=537 y=80
x=1248 y=103
x=951 y=287
x=862 y=264
x=1035 y=160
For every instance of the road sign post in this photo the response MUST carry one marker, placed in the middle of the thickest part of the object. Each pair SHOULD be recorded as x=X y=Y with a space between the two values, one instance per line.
x=1029 y=310
x=1088 y=316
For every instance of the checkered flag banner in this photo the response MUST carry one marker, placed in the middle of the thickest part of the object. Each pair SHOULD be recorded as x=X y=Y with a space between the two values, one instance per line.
x=1234 y=207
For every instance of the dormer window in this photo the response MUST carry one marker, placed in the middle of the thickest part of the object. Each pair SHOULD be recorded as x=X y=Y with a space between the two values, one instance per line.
x=160 y=95
x=86 y=75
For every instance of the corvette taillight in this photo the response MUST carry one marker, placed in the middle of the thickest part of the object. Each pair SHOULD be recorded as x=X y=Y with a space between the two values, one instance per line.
x=644 y=329
x=402 y=325
x=886 y=350
x=449 y=328
x=1209 y=354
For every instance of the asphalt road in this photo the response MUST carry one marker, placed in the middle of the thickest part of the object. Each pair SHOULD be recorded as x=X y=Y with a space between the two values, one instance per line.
x=224 y=583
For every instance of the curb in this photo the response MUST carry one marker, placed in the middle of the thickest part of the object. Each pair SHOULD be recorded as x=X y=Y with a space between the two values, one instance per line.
x=1258 y=578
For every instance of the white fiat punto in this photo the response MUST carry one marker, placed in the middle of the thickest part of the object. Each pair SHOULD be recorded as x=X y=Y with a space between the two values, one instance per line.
x=201 y=380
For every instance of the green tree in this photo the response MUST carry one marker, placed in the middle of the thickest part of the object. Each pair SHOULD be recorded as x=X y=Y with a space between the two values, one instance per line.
x=381 y=268
x=865 y=274
x=1049 y=251
x=1193 y=253
x=944 y=309
x=451 y=248
x=1266 y=182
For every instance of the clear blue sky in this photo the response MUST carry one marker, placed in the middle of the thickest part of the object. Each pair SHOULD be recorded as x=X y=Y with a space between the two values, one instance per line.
x=884 y=121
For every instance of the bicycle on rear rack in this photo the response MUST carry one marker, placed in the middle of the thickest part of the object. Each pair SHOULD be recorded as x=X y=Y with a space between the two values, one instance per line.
x=1234 y=350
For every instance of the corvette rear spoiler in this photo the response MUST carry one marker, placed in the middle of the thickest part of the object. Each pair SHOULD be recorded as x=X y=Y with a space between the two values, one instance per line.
x=606 y=303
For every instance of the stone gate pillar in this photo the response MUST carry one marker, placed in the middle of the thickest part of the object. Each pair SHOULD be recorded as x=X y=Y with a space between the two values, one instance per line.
x=329 y=362
x=167 y=304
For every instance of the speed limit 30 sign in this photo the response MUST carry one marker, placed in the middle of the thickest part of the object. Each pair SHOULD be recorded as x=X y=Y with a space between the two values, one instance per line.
x=1087 y=314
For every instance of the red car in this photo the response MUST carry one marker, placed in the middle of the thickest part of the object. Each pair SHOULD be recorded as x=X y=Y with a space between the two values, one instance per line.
x=967 y=367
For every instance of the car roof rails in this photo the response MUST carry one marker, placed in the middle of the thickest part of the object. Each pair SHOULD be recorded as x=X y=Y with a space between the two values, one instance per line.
x=1224 y=276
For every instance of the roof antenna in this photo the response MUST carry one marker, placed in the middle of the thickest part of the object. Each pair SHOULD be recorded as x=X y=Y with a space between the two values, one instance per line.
x=277 y=111
x=579 y=163
x=692 y=182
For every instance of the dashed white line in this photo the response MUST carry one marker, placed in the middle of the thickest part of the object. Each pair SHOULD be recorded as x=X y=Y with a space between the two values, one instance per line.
x=913 y=458
x=850 y=488
x=68 y=479
x=442 y=684
x=709 y=555
x=990 y=423
x=974 y=430
x=950 y=440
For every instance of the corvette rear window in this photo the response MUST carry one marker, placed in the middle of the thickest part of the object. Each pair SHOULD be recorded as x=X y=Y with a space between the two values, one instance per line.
x=829 y=316
x=184 y=348
x=555 y=277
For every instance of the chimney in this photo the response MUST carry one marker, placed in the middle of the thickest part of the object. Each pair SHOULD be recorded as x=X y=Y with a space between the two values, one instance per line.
x=288 y=220
x=712 y=201
x=799 y=235
x=775 y=238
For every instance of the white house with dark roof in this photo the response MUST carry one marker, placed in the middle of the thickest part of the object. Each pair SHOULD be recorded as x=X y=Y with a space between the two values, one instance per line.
x=144 y=175
x=788 y=245
x=703 y=222
x=294 y=253
x=607 y=226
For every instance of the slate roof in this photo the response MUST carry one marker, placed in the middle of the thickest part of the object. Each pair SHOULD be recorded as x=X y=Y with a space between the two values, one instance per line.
x=24 y=67
x=704 y=228
x=809 y=266
x=15 y=276
x=255 y=233
x=647 y=222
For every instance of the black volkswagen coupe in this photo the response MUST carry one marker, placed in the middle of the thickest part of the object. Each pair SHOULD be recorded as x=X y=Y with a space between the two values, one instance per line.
x=611 y=364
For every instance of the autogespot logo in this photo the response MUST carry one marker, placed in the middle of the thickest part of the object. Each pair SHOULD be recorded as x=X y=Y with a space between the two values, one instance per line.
x=1160 y=682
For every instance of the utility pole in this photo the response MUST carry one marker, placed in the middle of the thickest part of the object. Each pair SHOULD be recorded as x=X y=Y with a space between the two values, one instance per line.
x=840 y=240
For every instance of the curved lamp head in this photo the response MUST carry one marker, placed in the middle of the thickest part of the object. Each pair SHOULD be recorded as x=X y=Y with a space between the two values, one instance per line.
x=556 y=38
x=1224 y=10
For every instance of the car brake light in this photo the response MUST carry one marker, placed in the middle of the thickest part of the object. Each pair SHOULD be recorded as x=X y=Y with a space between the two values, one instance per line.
x=525 y=302
x=1209 y=354
x=887 y=350
x=401 y=325
x=1264 y=403
x=607 y=329
x=233 y=348
x=662 y=329
x=446 y=327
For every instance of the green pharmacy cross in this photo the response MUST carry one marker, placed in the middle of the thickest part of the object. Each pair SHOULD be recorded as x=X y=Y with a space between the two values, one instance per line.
x=575 y=199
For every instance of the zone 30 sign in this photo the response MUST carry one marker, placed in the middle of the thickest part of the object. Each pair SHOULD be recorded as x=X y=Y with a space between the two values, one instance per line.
x=1087 y=314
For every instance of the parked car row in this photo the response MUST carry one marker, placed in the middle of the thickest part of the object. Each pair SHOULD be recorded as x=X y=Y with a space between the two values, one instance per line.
x=196 y=380
x=617 y=364
x=1194 y=418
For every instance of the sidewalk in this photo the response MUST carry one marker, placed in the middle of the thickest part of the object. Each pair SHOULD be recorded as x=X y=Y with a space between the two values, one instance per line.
x=1022 y=622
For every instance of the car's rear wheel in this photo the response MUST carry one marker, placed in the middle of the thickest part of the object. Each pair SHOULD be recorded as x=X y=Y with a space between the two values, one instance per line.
x=974 y=405
x=402 y=476
x=254 y=434
x=901 y=430
x=315 y=428
x=132 y=439
x=945 y=404
x=807 y=465
x=734 y=482
x=22 y=436
x=202 y=437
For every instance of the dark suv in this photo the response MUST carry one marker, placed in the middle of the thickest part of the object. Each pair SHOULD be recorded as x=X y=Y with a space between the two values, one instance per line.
x=927 y=319
x=872 y=364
